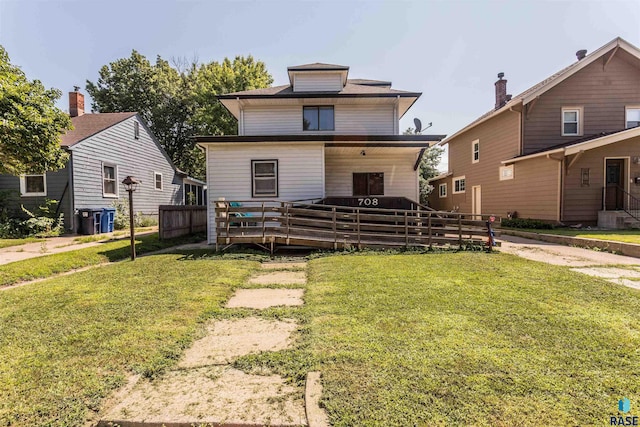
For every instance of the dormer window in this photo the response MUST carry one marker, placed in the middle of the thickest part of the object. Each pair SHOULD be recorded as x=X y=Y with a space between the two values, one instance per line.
x=317 y=118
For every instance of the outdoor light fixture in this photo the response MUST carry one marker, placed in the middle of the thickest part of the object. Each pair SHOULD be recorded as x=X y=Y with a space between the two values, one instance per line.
x=131 y=184
x=363 y=153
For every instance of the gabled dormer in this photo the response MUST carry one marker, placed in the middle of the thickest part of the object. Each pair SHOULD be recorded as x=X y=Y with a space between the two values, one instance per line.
x=318 y=77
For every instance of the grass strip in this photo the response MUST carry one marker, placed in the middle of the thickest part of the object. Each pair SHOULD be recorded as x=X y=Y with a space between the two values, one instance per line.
x=67 y=342
x=49 y=265
x=5 y=243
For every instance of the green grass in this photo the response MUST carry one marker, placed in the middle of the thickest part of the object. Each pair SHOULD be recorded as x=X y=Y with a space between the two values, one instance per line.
x=467 y=339
x=65 y=343
x=5 y=243
x=625 y=236
x=46 y=266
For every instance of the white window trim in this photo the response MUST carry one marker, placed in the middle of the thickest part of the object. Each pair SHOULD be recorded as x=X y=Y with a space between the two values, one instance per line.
x=23 y=185
x=504 y=168
x=442 y=194
x=626 y=109
x=115 y=167
x=580 y=111
x=155 y=175
x=253 y=178
x=453 y=187
x=473 y=151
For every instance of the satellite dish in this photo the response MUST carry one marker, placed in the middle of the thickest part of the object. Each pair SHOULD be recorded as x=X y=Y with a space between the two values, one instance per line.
x=418 y=124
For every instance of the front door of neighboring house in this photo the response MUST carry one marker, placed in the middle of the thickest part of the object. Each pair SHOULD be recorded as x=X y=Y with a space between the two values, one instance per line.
x=476 y=201
x=614 y=176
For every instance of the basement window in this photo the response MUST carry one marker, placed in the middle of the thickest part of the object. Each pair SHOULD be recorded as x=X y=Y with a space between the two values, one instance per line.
x=264 y=178
x=368 y=184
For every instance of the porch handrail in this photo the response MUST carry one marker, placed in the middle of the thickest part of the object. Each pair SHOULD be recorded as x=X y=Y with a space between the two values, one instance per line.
x=630 y=203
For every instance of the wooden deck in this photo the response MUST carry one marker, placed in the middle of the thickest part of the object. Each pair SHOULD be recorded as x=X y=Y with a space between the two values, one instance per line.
x=273 y=223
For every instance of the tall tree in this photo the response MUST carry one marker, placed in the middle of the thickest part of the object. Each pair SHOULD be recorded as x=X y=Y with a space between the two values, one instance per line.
x=177 y=103
x=428 y=166
x=30 y=123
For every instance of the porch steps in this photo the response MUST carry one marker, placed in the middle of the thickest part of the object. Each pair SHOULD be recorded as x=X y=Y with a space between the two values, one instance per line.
x=617 y=220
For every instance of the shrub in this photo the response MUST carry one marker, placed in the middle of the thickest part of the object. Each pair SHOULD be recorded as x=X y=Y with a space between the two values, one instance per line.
x=43 y=222
x=121 y=220
x=535 y=224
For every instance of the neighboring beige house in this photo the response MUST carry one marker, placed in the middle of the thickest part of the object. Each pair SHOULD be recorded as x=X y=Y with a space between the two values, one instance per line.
x=566 y=150
x=322 y=136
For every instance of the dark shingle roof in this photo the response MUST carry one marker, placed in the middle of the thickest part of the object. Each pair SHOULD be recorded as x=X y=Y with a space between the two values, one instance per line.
x=319 y=66
x=90 y=124
x=572 y=142
x=286 y=91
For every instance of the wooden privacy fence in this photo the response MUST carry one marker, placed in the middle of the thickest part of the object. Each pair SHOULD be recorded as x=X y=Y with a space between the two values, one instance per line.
x=329 y=226
x=174 y=221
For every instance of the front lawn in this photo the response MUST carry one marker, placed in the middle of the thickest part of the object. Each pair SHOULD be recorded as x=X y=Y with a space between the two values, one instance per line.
x=470 y=339
x=625 y=236
x=65 y=343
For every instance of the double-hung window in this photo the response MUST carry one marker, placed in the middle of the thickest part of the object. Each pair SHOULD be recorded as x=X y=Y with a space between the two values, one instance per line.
x=109 y=180
x=368 y=184
x=633 y=117
x=157 y=178
x=33 y=185
x=442 y=190
x=572 y=121
x=264 y=178
x=459 y=184
x=475 y=151
x=317 y=118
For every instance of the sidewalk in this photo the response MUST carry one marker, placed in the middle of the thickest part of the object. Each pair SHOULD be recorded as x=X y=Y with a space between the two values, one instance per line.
x=54 y=245
x=619 y=269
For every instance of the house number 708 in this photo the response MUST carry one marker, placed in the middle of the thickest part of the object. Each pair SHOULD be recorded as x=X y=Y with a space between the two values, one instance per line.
x=368 y=202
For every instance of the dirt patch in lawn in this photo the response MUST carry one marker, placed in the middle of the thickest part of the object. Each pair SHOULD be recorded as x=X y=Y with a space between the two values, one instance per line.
x=280 y=277
x=228 y=339
x=213 y=394
x=265 y=298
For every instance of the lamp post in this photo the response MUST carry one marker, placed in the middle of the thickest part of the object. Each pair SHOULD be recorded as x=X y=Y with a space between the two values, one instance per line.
x=131 y=184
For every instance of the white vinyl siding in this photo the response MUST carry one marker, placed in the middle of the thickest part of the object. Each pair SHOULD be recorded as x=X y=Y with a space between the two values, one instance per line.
x=140 y=159
x=348 y=120
x=400 y=180
x=317 y=82
x=300 y=172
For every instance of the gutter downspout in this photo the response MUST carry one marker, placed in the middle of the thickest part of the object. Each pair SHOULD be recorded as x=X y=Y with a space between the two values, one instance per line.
x=241 y=118
x=72 y=214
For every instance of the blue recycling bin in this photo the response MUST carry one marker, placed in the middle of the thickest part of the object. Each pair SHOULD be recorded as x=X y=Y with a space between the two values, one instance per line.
x=106 y=220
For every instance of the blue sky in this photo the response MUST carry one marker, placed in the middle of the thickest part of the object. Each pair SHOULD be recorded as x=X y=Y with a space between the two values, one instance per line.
x=450 y=51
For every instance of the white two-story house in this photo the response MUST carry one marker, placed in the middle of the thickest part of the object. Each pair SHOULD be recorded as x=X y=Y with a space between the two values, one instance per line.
x=323 y=136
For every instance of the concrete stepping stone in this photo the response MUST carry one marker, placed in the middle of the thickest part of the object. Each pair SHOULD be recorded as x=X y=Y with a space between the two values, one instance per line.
x=280 y=278
x=213 y=394
x=626 y=282
x=265 y=298
x=232 y=338
x=283 y=265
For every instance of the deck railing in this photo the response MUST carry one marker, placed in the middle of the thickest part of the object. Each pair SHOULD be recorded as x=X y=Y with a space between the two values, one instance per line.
x=270 y=223
x=617 y=198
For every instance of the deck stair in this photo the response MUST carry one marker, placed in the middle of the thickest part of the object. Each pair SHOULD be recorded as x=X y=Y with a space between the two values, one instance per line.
x=272 y=223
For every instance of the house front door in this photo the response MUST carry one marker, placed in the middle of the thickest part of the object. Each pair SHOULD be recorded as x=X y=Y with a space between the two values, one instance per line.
x=614 y=175
x=476 y=201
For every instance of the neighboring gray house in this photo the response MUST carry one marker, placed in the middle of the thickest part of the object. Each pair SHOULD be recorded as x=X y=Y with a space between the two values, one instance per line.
x=103 y=149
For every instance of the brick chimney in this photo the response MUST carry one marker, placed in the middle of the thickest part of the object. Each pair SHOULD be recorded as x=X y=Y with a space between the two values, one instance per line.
x=501 y=91
x=76 y=103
